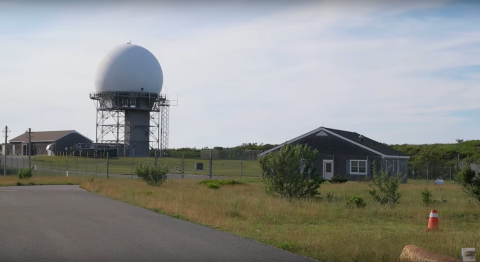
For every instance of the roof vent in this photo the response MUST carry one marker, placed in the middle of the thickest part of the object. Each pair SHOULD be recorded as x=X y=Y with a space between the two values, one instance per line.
x=322 y=133
x=360 y=137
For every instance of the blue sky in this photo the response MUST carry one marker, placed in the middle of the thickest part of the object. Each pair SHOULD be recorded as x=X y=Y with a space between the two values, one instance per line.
x=265 y=72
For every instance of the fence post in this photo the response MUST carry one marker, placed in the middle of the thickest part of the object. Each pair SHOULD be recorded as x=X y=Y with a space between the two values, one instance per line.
x=427 y=173
x=131 y=169
x=183 y=165
x=76 y=166
x=96 y=165
x=210 y=164
x=67 y=167
x=241 y=162
x=107 y=164
x=58 y=167
x=86 y=166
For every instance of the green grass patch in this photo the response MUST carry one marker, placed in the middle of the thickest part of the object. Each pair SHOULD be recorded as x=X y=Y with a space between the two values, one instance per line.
x=217 y=183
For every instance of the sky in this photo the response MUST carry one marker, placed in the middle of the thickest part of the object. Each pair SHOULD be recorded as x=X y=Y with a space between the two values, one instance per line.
x=399 y=72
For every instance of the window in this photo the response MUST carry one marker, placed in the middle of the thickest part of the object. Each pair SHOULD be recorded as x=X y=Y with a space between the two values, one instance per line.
x=358 y=167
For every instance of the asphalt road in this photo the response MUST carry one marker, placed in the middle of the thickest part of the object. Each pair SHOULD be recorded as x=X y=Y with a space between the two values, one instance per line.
x=65 y=223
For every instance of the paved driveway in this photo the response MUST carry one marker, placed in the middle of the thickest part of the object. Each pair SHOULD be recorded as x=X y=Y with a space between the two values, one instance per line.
x=65 y=223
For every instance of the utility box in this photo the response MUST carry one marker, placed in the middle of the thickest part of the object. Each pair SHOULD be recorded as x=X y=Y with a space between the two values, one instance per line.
x=198 y=166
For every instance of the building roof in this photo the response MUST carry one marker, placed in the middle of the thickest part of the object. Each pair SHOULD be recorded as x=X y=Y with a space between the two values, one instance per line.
x=43 y=136
x=352 y=137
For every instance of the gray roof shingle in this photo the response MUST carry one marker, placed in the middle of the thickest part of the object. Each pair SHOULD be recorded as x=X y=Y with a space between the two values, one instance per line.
x=43 y=136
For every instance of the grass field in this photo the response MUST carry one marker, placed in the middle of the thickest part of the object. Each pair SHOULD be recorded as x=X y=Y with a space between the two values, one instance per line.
x=325 y=230
x=322 y=229
x=126 y=166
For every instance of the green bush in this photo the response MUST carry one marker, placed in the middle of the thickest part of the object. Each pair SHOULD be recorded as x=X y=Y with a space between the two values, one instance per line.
x=356 y=202
x=338 y=180
x=289 y=172
x=427 y=198
x=386 y=191
x=153 y=176
x=470 y=182
x=25 y=173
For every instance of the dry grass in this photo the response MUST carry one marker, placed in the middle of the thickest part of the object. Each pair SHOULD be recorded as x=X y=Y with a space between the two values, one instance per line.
x=41 y=180
x=320 y=229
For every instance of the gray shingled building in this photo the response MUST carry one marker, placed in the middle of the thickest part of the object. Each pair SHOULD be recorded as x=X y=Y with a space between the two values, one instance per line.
x=349 y=154
x=46 y=142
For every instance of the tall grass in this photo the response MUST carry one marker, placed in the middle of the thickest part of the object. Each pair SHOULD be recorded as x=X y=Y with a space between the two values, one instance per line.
x=325 y=230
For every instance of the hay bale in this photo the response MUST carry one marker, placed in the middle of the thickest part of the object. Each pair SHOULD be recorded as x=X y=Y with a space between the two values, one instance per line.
x=413 y=253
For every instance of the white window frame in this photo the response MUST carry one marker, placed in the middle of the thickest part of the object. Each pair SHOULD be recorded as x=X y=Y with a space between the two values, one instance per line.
x=358 y=166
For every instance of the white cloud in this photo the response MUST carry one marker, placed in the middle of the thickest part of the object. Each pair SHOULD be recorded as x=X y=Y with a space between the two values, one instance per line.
x=265 y=78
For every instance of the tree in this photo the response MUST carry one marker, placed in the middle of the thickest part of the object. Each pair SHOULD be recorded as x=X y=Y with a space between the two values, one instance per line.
x=289 y=172
x=386 y=191
x=469 y=180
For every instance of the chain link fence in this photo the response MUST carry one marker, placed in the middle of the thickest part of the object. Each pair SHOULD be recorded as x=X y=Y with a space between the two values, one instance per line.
x=125 y=166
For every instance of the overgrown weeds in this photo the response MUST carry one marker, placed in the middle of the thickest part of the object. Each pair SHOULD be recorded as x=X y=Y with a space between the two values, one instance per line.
x=25 y=173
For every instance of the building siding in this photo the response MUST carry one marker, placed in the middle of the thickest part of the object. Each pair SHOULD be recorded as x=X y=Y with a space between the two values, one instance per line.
x=341 y=152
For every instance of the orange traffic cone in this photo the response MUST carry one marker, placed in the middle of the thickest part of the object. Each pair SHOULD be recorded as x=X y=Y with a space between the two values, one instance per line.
x=433 y=221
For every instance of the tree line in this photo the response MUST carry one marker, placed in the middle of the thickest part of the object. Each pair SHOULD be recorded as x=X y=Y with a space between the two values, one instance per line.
x=223 y=152
x=439 y=158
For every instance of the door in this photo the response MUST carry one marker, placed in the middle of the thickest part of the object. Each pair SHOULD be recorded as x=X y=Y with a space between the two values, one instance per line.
x=328 y=169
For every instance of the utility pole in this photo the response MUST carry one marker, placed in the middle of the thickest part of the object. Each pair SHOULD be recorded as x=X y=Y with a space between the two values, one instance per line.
x=5 y=150
x=29 y=150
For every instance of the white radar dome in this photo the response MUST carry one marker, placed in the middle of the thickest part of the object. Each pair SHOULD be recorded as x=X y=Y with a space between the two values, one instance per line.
x=129 y=68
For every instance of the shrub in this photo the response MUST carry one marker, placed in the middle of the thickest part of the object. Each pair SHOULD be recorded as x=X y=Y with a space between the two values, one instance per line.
x=289 y=172
x=338 y=180
x=356 y=202
x=386 y=191
x=213 y=186
x=153 y=176
x=427 y=198
x=25 y=173
x=329 y=197
x=470 y=182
